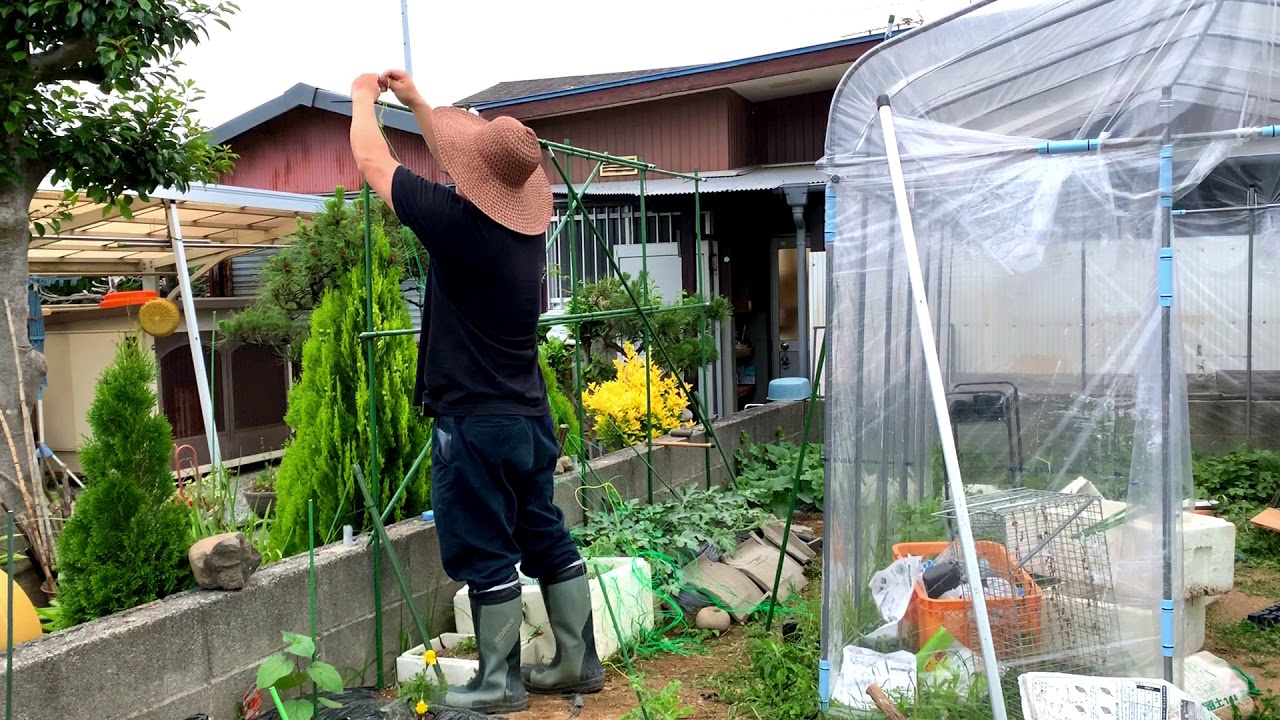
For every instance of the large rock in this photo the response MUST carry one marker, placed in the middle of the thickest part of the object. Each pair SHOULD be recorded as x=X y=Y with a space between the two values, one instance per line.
x=224 y=562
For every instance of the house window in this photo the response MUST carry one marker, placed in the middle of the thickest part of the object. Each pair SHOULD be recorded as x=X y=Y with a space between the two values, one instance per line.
x=618 y=225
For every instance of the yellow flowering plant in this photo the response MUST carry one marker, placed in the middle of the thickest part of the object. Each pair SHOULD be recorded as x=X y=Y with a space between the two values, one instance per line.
x=618 y=407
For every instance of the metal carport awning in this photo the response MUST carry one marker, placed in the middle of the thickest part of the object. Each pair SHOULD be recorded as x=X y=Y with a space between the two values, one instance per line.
x=762 y=178
x=218 y=222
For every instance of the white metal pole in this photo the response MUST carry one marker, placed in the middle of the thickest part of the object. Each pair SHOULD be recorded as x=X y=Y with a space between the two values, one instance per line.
x=404 y=31
x=933 y=369
x=193 y=335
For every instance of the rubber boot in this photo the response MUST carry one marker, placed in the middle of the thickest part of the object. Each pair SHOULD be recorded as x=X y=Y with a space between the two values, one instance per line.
x=576 y=667
x=497 y=687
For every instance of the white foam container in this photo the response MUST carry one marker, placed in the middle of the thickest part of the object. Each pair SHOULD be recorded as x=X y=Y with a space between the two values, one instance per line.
x=1208 y=550
x=627 y=582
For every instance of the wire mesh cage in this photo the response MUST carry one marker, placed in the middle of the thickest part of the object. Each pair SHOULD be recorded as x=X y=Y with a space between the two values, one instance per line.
x=1046 y=575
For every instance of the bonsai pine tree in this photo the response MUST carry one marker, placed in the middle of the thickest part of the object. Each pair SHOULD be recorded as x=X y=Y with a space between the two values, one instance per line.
x=136 y=133
x=127 y=542
x=329 y=411
x=296 y=277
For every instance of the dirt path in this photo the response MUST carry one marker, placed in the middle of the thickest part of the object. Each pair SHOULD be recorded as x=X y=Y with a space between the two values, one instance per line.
x=1230 y=636
x=618 y=698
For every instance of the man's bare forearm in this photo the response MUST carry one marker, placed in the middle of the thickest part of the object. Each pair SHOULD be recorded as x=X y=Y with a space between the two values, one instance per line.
x=367 y=144
x=422 y=113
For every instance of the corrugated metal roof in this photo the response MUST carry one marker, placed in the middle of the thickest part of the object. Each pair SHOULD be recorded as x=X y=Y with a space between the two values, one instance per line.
x=511 y=89
x=517 y=93
x=303 y=95
x=219 y=222
x=765 y=178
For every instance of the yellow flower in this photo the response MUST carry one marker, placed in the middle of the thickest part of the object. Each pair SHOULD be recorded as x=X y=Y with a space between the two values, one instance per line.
x=429 y=657
x=641 y=402
x=421 y=707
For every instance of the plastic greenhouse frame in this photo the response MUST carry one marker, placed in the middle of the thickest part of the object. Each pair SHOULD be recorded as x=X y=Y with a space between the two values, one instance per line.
x=1112 y=93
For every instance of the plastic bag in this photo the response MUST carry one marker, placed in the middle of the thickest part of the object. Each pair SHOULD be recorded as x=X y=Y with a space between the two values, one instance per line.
x=1217 y=684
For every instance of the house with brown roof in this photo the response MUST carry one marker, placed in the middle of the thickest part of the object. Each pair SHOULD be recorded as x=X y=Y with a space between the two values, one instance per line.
x=752 y=128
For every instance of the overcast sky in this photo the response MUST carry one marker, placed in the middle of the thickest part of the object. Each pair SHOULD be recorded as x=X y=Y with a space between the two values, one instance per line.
x=465 y=46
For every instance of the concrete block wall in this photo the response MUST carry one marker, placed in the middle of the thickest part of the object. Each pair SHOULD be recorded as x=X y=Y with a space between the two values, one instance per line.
x=198 y=652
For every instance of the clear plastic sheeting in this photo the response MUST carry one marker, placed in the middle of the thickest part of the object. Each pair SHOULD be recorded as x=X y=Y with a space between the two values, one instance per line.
x=1044 y=150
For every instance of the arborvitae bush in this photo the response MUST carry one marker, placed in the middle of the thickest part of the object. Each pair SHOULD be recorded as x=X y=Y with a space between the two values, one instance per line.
x=329 y=411
x=127 y=542
x=563 y=411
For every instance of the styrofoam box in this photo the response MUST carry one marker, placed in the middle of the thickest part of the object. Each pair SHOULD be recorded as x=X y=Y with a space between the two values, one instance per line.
x=1062 y=613
x=1208 y=549
x=457 y=671
x=628 y=582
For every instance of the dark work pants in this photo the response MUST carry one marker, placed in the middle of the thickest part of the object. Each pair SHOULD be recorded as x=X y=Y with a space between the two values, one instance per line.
x=492 y=490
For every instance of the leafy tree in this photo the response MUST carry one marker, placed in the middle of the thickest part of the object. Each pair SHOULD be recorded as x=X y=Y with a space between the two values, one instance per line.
x=134 y=131
x=689 y=344
x=329 y=411
x=297 y=276
x=127 y=542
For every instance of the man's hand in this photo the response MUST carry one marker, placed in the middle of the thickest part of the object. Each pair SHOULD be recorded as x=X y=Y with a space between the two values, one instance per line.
x=367 y=88
x=399 y=82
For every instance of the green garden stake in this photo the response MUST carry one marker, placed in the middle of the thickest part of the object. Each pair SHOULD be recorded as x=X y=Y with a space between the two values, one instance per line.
x=380 y=532
x=8 y=655
x=275 y=697
x=371 y=374
x=795 y=486
x=311 y=591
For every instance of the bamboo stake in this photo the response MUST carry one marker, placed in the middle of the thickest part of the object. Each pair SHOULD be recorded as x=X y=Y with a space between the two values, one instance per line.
x=33 y=533
x=44 y=531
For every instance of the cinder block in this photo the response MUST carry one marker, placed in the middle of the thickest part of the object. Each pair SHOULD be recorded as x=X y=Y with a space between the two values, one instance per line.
x=115 y=666
x=245 y=626
x=217 y=699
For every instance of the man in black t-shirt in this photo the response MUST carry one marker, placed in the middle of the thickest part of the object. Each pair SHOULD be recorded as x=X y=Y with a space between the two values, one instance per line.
x=494 y=449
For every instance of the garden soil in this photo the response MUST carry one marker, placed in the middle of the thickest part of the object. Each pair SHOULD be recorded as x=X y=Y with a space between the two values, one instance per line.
x=1236 y=606
x=617 y=698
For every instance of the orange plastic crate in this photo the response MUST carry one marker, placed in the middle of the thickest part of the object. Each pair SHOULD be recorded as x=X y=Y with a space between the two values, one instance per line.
x=1015 y=622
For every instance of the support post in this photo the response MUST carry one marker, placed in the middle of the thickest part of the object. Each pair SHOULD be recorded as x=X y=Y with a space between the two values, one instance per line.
x=1248 y=326
x=938 y=390
x=371 y=372
x=1165 y=299
x=830 y=214
x=797 y=197
x=193 y=336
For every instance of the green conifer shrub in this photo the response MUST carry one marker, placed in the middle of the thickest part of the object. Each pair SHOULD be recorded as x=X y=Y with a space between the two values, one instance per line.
x=127 y=542
x=563 y=411
x=329 y=411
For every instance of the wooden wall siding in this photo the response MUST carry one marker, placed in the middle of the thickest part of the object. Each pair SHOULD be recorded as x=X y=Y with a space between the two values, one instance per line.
x=681 y=134
x=742 y=150
x=308 y=151
x=791 y=130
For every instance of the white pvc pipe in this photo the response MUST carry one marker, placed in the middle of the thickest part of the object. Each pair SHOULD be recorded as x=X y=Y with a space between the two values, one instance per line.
x=193 y=336
x=938 y=391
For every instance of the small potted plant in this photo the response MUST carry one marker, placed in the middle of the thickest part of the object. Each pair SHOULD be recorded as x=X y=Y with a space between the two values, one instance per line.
x=261 y=493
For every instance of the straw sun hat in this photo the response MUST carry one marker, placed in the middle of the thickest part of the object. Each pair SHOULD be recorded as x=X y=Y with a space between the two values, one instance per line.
x=497 y=165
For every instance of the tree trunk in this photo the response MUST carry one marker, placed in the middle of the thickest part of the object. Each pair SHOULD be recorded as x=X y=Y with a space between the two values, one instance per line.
x=15 y=199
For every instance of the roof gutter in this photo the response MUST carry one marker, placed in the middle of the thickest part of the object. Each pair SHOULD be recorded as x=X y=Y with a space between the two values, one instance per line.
x=695 y=70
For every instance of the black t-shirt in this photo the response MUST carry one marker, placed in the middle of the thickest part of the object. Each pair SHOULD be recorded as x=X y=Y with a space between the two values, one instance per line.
x=478 y=353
